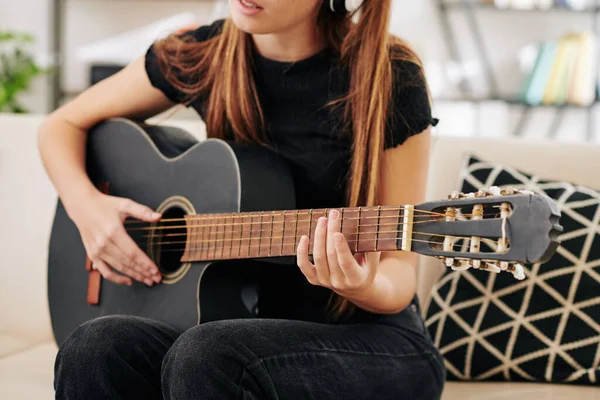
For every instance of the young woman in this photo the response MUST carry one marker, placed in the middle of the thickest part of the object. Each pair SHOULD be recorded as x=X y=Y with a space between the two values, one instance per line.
x=346 y=105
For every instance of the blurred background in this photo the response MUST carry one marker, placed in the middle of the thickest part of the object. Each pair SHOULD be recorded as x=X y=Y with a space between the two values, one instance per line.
x=523 y=68
x=513 y=81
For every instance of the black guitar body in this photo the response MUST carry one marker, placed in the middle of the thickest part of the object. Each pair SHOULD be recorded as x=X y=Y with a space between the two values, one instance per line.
x=168 y=170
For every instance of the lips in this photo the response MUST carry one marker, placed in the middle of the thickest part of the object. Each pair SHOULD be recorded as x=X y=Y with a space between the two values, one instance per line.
x=250 y=4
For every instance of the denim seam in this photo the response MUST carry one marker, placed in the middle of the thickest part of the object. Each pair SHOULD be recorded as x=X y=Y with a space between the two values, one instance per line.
x=246 y=371
x=327 y=351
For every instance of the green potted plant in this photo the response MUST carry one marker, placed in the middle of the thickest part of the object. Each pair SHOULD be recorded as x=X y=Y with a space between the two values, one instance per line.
x=17 y=69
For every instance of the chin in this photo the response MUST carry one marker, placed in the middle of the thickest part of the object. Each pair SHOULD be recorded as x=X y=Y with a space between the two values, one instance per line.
x=251 y=25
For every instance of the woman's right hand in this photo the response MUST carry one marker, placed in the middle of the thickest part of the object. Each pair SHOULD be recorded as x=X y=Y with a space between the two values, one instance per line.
x=109 y=247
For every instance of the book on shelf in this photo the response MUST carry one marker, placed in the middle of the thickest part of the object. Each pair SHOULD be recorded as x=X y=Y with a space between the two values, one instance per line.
x=565 y=71
x=576 y=5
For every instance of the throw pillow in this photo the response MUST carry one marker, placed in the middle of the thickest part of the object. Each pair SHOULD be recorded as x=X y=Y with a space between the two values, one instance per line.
x=490 y=327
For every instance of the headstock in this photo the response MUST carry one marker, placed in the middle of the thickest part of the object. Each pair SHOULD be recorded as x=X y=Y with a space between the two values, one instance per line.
x=514 y=227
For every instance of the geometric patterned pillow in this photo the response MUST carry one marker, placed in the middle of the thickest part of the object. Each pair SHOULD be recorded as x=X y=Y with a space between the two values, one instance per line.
x=546 y=328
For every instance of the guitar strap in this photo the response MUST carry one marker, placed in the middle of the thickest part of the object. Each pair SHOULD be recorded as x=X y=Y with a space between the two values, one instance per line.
x=94 y=278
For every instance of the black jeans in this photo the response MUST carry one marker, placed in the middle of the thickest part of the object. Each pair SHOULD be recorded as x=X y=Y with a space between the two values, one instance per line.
x=123 y=357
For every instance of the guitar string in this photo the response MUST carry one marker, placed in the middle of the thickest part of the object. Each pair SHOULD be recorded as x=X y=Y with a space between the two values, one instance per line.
x=260 y=247
x=261 y=231
x=215 y=241
x=192 y=221
x=192 y=218
x=167 y=227
x=290 y=212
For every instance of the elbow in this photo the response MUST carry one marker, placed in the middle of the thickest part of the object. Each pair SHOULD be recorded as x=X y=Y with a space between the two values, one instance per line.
x=42 y=132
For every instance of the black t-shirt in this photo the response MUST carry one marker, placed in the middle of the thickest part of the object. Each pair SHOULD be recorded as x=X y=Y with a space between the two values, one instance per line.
x=308 y=135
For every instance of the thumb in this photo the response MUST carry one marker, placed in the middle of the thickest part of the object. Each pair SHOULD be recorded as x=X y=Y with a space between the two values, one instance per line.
x=132 y=209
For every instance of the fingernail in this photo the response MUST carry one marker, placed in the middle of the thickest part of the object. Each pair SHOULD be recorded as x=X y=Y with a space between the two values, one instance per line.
x=156 y=215
x=156 y=278
x=149 y=282
x=333 y=214
x=303 y=241
x=322 y=222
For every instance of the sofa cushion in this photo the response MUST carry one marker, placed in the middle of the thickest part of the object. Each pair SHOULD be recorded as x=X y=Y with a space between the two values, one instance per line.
x=514 y=390
x=545 y=328
x=29 y=374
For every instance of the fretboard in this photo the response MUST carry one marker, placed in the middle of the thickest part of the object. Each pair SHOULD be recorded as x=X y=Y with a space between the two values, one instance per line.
x=277 y=233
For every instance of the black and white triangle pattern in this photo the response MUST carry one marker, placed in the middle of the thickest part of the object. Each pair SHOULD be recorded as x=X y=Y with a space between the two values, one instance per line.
x=546 y=328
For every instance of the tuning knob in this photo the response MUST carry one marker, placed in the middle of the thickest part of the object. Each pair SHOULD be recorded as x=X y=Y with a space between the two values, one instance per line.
x=461 y=265
x=517 y=270
x=491 y=267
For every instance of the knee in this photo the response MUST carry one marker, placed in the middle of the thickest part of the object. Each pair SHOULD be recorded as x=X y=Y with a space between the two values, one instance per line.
x=95 y=342
x=207 y=353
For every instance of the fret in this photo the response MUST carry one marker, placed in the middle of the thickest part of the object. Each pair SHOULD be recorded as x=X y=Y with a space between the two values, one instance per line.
x=289 y=235
x=357 y=244
x=245 y=235
x=264 y=243
x=310 y=235
x=342 y=221
x=296 y=233
x=189 y=243
x=231 y=237
x=277 y=232
x=304 y=224
x=190 y=237
x=212 y=234
x=196 y=239
x=255 y=227
x=378 y=227
x=226 y=253
x=201 y=240
x=207 y=244
x=220 y=238
x=351 y=228
x=271 y=233
x=259 y=233
x=282 y=233
x=387 y=237
x=238 y=237
x=367 y=229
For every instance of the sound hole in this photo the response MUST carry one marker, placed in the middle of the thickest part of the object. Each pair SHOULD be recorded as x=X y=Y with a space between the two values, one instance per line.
x=169 y=239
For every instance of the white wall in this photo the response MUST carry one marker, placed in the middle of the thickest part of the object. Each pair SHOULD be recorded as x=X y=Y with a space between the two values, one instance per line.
x=417 y=21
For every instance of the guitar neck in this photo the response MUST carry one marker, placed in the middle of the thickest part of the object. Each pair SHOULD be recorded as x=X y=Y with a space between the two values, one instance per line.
x=277 y=233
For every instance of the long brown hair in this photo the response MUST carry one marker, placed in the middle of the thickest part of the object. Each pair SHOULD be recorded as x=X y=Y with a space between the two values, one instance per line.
x=220 y=69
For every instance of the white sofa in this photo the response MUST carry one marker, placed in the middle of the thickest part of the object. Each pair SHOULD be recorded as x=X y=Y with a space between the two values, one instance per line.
x=27 y=200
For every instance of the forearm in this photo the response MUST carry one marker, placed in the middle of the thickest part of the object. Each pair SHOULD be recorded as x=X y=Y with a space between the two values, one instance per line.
x=62 y=150
x=393 y=288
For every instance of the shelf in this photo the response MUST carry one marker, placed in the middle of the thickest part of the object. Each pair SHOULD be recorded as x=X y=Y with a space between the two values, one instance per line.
x=491 y=7
x=513 y=101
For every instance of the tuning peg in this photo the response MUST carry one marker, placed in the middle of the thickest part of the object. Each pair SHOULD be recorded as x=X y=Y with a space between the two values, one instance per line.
x=456 y=195
x=481 y=193
x=495 y=191
x=504 y=265
x=524 y=191
x=491 y=267
x=461 y=265
x=517 y=270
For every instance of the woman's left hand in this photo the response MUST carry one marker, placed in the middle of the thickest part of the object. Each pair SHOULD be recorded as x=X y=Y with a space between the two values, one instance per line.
x=335 y=267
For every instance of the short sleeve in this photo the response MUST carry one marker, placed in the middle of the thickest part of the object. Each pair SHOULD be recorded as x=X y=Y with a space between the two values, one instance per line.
x=410 y=111
x=156 y=76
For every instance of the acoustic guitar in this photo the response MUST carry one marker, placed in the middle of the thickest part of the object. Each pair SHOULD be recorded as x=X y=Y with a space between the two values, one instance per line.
x=228 y=206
